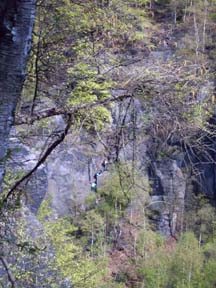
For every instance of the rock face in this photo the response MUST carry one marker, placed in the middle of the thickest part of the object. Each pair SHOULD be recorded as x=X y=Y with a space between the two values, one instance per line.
x=65 y=179
x=169 y=201
x=70 y=173
x=207 y=180
x=205 y=159
x=23 y=159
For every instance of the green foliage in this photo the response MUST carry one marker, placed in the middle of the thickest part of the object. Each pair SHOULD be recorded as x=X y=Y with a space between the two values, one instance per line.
x=89 y=87
x=71 y=261
x=209 y=279
x=73 y=48
x=154 y=264
x=116 y=189
x=76 y=47
x=79 y=257
x=45 y=211
x=93 y=227
x=12 y=177
x=200 y=218
x=187 y=262
x=123 y=184
x=183 y=265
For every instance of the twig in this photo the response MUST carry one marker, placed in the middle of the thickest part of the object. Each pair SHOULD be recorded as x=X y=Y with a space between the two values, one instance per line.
x=11 y=277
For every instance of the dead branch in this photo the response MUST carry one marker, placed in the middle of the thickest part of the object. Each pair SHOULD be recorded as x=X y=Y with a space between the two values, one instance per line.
x=60 y=111
x=10 y=275
x=49 y=150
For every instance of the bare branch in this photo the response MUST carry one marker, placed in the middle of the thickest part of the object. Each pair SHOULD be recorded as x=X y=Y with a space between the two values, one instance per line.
x=11 y=277
x=52 y=146
x=42 y=159
x=60 y=111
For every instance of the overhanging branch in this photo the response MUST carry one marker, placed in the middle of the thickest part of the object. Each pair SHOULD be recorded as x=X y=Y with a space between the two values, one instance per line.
x=59 y=111
x=61 y=137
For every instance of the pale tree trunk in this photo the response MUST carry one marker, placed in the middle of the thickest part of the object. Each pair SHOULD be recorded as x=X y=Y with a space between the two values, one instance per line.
x=196 y=28
x=16 y=23
x=185 y=11
x=204 y=24
x=175 y=11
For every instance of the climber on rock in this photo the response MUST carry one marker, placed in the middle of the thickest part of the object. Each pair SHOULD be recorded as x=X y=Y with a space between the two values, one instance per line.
x=96 y=175
x=99 y=173
x=104 y=164
x=94 y=189
x=94 y=186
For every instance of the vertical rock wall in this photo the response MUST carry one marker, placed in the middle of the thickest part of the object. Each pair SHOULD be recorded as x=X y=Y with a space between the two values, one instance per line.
x=174 y=187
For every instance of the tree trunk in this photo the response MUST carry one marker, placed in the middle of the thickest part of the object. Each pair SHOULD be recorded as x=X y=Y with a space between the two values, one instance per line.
x=16 y=23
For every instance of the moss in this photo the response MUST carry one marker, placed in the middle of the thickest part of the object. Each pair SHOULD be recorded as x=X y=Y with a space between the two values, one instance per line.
x=45 y=211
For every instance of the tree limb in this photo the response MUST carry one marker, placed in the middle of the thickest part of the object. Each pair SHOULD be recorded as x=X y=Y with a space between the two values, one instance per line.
x=11 y=277
x=49 y=150
x=52 y=146
x=60 y=111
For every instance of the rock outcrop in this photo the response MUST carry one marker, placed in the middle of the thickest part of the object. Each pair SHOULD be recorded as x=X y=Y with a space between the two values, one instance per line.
x=169 y=198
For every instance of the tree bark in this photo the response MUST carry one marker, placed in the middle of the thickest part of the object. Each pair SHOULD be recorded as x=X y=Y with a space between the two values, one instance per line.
x=16 y=23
